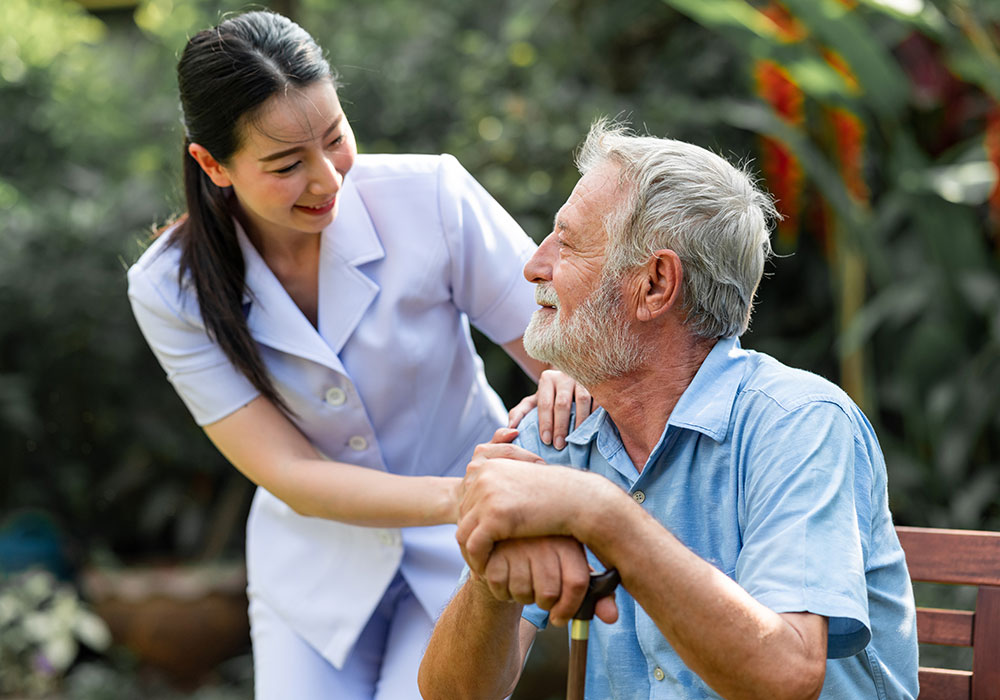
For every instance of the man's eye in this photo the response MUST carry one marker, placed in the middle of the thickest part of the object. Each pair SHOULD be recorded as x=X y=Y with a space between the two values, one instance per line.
x=336 y=142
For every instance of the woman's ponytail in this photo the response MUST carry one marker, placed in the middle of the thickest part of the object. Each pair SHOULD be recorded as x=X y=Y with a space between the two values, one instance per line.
x=225 y=75
x=212 y=259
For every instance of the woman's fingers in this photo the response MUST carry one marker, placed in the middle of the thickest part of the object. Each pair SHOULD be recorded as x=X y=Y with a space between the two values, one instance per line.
x=556 y=395
x=523 y=408
x=584 y=404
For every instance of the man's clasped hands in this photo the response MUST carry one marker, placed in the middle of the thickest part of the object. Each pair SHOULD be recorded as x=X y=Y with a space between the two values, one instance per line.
x=517 y=526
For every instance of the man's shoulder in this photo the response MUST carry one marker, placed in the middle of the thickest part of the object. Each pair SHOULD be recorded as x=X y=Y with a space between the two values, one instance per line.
x=770 y=381
x=528 y=438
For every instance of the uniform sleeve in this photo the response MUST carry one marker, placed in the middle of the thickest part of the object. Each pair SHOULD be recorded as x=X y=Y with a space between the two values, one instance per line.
x=203 y=377
x=802 y=548
x=488 y=250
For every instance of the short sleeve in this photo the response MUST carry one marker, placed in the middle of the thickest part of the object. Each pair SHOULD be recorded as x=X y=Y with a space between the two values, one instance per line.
x=802 y=548
x=488 y=250
x=536 y=616
x=202 y=375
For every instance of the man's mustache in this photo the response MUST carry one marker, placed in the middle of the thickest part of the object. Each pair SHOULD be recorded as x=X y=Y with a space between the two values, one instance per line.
x=546 y=296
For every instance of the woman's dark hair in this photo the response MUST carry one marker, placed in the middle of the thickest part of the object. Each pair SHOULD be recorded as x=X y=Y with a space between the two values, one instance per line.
x=224 y=75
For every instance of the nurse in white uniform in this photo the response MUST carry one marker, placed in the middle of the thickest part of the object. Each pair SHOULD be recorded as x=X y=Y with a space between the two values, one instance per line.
x=312 y=309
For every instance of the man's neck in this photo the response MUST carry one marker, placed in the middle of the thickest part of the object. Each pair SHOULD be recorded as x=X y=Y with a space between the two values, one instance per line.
x=640 y=403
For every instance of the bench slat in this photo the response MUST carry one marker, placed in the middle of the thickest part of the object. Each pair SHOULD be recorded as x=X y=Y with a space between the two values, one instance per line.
x=951 y=556
x=945 y=684
x=986 y=652
x=948 y=627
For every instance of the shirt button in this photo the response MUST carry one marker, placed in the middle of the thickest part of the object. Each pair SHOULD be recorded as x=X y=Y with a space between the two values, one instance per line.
x=335 y=396
x=386 y=537
x=639 y=497
x=357 y=443
x=658 y=673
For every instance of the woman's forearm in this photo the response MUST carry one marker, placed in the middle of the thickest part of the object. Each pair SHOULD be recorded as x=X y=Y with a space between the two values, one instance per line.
x=369 y=497
x=263 y=444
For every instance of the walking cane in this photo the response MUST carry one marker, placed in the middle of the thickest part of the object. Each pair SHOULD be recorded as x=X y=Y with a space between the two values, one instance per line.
x=600 y=586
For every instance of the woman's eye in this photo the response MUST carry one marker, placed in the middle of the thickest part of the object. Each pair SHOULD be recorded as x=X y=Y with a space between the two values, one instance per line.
x=290 y=168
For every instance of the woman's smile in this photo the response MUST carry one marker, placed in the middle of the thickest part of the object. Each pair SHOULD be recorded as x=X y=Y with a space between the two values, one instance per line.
x=318 y=210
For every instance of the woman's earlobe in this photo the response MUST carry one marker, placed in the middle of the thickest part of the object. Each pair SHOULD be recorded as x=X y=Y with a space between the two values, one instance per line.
x=209 y=165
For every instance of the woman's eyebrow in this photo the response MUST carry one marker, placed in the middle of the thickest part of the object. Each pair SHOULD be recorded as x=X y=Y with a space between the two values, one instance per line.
x=296 y=149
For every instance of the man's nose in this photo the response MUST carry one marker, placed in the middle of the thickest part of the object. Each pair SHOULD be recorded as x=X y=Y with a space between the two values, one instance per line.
x=539 y=267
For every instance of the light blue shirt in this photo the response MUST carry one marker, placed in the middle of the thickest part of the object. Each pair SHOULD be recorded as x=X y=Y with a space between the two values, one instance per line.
x=389 y=380
x=775 y=477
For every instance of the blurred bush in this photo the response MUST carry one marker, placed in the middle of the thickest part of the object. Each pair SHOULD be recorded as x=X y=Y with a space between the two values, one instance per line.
x=875 y=124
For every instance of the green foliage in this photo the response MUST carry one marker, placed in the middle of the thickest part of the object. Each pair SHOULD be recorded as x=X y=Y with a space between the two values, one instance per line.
x=929 y=324
x=88 y=428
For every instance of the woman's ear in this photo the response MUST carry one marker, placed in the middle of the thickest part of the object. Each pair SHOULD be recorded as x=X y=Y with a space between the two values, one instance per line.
x=662 y=279
x=215 y=171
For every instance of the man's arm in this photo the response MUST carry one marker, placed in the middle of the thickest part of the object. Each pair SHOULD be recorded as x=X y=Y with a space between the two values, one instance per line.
x=740 y=647
x=737 y=645
x=477 y=649
x=480 y=642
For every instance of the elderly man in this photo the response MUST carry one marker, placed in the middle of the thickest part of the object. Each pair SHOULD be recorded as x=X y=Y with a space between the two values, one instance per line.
x=743 y=502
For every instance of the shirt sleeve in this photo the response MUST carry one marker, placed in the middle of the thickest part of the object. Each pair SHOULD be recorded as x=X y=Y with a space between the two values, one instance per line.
x=802 y=549
x=488 y=250
x=200 y=372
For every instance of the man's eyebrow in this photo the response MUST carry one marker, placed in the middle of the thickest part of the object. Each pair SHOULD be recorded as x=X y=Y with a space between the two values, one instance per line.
x=292 y=151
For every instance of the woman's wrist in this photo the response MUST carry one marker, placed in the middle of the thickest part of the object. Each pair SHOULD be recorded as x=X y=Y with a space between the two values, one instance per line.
x=445 y=500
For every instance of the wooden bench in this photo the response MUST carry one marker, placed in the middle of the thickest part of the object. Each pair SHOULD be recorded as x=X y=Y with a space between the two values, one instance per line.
x=967 y=557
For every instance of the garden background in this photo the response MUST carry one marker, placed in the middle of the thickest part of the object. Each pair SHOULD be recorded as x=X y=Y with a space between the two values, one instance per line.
x=876 y=124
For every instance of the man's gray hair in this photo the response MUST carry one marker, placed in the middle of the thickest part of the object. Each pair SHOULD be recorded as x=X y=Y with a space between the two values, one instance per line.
x=684 y=198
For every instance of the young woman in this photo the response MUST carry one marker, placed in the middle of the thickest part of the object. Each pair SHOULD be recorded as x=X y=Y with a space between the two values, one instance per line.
x=312 y=310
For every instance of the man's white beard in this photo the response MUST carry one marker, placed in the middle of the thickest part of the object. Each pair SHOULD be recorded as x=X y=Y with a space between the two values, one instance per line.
x=594 y=345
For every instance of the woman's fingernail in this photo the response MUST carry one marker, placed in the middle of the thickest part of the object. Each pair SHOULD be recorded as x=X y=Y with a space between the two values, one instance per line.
x=547 y=437
x=560 y=443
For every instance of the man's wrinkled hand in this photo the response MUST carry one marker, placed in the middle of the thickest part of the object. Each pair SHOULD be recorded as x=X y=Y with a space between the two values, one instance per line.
x=551 y=572
x=503 y=498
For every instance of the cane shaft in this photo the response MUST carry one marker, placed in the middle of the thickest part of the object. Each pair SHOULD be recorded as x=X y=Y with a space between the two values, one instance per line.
x=600 y=585
x=577 y=676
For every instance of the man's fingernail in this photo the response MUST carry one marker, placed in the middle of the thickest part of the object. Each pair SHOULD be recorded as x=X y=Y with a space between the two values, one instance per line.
x=547 y=437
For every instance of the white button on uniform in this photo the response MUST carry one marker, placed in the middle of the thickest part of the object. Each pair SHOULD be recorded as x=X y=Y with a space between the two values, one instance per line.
x=357 y=443
x=658 y=673
x=639 y=496
x=335 y=396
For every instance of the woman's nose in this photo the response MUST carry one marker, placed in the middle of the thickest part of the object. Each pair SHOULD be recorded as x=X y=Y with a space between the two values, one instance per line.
x=327 y=179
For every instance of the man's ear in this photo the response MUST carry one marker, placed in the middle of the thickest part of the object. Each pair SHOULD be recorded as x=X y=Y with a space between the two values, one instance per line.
x=215 y=171
x=661 y=279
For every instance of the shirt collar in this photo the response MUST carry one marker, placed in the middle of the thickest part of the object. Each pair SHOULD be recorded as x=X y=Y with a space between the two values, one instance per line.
x=705 y=406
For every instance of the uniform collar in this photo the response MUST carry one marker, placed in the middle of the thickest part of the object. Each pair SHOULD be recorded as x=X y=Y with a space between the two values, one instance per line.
x=345 y=292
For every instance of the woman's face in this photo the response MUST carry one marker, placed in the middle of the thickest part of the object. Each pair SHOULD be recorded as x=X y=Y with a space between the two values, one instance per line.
x=289 y=170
